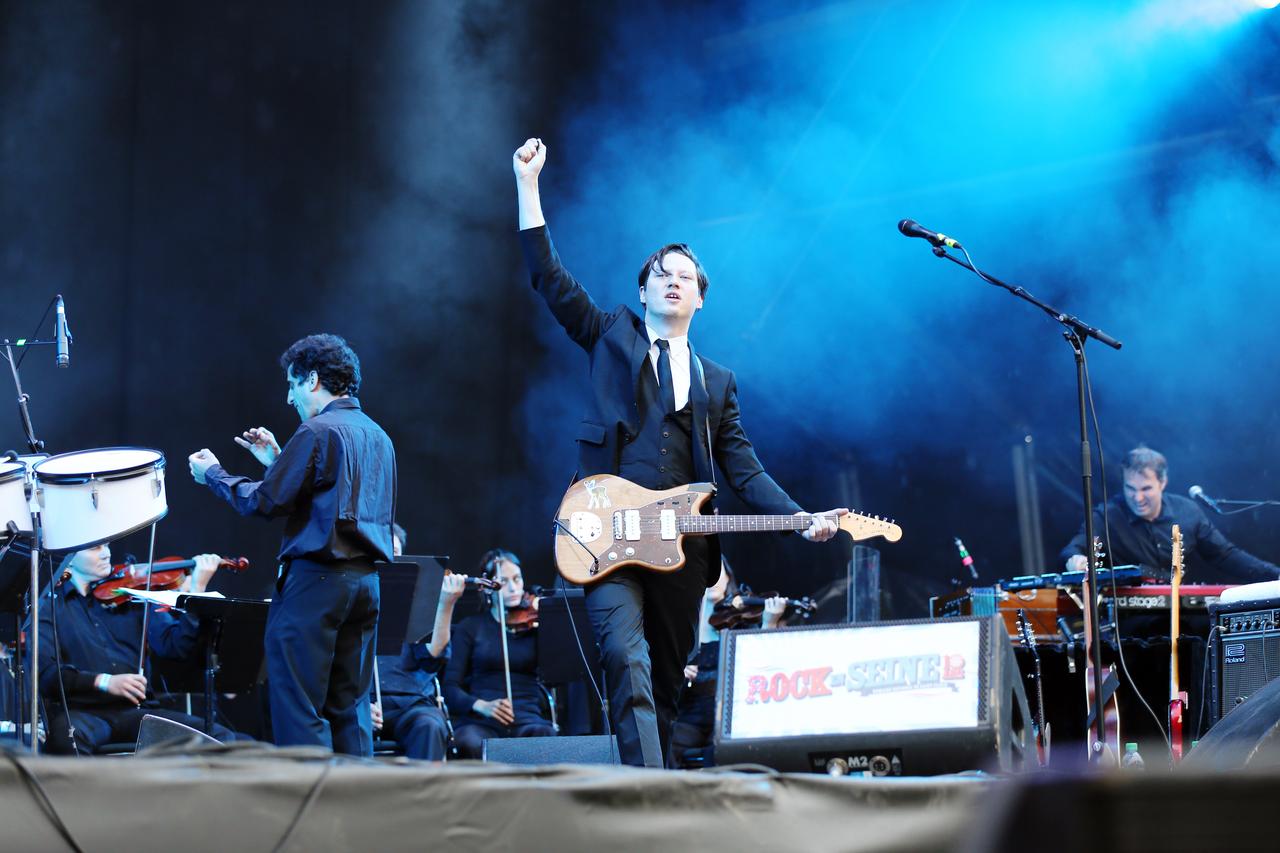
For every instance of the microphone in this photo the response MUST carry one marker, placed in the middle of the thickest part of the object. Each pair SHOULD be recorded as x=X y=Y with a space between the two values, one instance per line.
x=911 y=228
x=64 y=352
x=1198 y=493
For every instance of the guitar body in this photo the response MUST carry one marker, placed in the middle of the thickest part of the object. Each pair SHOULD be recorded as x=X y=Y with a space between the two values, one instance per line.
x=590 y=548
x=606 y=523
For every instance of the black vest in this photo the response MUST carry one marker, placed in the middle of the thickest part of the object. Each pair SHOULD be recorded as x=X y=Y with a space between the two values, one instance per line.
x=661 y=456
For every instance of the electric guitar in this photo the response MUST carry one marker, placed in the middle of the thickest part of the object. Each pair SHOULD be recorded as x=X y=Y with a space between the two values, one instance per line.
x=605 y=522
x=1177 y=697
x=1109 y=748
x=1041 y=727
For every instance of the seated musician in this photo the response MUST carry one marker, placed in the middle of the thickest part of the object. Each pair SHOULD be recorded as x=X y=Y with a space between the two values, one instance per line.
x=98 y=644
x=696 y=712
x=407 y=683
x=1142 y=517
x=475 y=682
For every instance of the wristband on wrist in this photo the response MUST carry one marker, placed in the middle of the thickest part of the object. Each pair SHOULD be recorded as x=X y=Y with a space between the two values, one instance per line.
x=102 y=681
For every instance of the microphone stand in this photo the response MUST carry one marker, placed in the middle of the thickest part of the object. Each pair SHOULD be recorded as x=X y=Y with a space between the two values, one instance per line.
x=1243 y=506
x=1076 y=332
x=37 y=446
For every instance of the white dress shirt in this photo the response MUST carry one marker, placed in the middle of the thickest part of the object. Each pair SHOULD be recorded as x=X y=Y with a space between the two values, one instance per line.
x=679 y=364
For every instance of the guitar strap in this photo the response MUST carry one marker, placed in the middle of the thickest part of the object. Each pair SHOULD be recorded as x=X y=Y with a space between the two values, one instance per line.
x=695 y=367
x=1109 y=686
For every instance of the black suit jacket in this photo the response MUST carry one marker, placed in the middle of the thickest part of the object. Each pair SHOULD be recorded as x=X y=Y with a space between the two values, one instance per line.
x=617 y=346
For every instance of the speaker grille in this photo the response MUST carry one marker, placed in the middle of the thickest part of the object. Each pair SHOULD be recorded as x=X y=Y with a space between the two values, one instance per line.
x=1248 y=662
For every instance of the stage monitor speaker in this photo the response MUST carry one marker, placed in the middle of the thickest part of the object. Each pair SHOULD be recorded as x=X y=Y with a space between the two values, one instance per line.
x=577 y=749
x=1244 y=654
x=1248 y=735
x=910 y=698
x=157 y=731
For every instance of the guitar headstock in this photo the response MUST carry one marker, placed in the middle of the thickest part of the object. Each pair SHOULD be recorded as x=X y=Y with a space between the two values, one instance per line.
x=1099 y=553
x=861 y=526
x=1024 y=630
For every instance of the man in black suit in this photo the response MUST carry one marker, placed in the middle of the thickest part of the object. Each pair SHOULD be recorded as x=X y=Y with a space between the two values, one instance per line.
x=655 y=407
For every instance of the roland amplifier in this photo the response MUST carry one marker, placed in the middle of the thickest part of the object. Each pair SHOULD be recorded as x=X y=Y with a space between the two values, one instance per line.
x=1244 y=653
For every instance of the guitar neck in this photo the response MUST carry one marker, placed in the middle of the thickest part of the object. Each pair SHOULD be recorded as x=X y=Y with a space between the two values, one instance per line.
x=709 y=524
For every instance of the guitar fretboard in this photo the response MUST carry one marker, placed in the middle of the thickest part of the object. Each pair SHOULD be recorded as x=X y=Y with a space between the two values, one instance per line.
x=741 y=523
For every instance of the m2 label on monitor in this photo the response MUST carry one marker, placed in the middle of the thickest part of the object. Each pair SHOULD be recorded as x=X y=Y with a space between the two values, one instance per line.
x=855 y=680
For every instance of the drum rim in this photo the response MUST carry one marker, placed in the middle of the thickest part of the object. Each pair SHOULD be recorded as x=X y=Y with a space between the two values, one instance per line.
x=19 y=471
x=113 y=474
x=113 y=537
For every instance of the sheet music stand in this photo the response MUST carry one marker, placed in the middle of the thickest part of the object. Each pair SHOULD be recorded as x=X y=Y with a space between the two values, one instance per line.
x=559 y=659
x=232 y=631
x=410 y=594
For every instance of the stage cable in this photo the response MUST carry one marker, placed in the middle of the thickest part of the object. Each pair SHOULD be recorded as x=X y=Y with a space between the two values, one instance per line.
x=57 y=660
x=1106 y=532
x=312 y=794
x=36 y=333
x=42 y=798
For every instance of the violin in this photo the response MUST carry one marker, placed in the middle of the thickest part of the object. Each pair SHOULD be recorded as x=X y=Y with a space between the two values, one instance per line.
x=746 y=610
x=473 y=582
x=523 y=617
x=169 y=573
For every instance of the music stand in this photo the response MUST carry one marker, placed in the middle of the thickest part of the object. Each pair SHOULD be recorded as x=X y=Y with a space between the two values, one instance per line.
x=420 y=599
x=232 y=631
x=561 y=658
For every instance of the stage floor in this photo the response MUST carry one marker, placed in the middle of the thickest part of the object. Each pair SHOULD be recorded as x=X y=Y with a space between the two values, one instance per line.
x=250 y=797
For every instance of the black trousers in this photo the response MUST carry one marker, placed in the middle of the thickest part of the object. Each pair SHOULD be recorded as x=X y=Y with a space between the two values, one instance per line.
x=417 y=725
x=98 y=727
x=472 y=734
x=320 y=647
x=645 y=623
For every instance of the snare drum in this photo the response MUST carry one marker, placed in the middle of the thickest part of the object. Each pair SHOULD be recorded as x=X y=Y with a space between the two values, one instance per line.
x=93 y=496
x=13 y=497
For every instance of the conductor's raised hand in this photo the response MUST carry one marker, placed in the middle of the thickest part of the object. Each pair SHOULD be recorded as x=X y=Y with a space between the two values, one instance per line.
x=261 y=443
x=529 y=159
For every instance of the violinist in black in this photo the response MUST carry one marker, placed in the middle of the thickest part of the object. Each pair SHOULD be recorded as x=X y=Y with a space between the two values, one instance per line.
x=99 y=646
x=475 y=681
x=691 y=734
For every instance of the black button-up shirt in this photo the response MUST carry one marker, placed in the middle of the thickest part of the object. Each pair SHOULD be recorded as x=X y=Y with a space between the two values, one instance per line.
x=413 y=673
x=94 y=639
x=334 y=481
x=1149 y=544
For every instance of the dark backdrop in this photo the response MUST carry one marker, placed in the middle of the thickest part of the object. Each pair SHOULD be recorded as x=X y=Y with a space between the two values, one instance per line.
x=206 y=183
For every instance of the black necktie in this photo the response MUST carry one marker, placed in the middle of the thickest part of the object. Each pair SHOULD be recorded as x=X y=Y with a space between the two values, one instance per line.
x=666 y=387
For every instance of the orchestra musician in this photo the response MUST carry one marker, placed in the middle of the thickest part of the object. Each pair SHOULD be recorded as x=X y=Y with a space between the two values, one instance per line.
x=334 y=483
x=99 y=645
x=476 y=679
x=408 y=682
x=696 y=712
x=1141 y=521
x=653 y=405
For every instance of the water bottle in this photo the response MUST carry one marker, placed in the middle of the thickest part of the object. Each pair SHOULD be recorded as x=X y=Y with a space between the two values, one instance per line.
x=1132 y=759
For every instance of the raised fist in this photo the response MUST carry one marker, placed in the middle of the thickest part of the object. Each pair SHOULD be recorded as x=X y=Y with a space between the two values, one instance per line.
x=529 y=158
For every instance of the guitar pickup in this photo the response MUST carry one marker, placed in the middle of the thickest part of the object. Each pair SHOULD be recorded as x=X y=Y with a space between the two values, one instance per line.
x=667 y=519
x=631 y=525
x=617 y=525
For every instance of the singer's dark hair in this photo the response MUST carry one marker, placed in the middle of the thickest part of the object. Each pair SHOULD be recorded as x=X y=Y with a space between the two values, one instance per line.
x=654 y=262
x=329 y=356
x=1141 y=458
